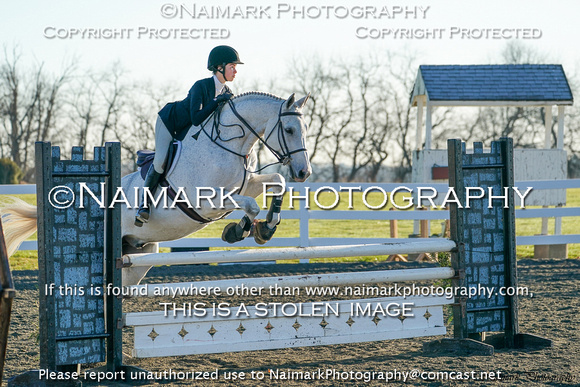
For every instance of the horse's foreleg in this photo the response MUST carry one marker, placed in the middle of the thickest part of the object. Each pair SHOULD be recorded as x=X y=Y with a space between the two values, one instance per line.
x=258 y=184
x=134 y=275
x=235 y=232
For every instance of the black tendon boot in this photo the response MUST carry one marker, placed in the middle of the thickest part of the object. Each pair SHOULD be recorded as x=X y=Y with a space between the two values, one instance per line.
x=151 y=182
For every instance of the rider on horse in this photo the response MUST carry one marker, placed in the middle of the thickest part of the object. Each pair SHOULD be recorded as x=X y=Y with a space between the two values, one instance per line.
x=175 y=119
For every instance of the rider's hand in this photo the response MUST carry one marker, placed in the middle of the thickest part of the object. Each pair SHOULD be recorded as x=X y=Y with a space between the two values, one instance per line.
x=223 y=97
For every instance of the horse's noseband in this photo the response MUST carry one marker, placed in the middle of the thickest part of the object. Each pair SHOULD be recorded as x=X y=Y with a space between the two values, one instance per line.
x=286 y=157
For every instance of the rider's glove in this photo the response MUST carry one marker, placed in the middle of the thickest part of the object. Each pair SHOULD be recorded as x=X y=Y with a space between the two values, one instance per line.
x=223 y=97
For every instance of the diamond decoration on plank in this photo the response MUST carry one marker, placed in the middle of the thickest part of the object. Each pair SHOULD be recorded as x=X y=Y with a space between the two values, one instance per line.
x=376 y=320
x=402 y=318
x=427 y=315
x=296 y=325
x=269 y=327
x=212 y=331
x=350 y=321
x=183 y=332
x=153 y=334
x=241 y=329
x=323 y=323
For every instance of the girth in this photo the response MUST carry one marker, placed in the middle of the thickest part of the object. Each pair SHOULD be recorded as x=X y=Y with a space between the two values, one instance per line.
x=190 y=212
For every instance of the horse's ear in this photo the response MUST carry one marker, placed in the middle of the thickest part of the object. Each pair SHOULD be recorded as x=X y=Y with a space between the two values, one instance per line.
x=290 y=101
x=300 y=103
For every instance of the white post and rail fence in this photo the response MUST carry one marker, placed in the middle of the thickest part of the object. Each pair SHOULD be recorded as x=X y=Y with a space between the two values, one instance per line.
x=305 y=215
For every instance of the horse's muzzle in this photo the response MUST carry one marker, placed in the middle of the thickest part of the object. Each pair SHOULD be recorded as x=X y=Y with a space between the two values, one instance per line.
x=302 y=175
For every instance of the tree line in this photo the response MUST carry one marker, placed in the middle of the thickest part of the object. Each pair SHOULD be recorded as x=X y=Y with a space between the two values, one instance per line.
x=360 y=119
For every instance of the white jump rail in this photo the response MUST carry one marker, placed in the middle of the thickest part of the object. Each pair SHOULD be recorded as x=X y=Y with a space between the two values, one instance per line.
x=255 y=255
x=296 y=281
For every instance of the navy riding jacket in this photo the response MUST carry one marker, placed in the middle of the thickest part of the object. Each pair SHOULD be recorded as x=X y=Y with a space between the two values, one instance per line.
x=178 y=116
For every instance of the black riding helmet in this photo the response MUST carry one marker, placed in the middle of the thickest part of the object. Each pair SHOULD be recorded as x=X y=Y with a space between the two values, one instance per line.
x=221 y=56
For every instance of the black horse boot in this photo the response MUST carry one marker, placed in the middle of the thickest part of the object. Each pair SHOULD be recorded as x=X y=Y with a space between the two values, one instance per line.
x=151 y=182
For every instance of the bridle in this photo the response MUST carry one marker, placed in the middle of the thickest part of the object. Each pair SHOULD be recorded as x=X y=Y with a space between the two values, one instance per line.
x=284 y=157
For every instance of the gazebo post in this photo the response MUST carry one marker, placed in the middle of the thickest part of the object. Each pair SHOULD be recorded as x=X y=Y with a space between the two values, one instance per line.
x=560 y=141
x=548 y=126
x=428 y=125
x=419 y=136
x=559 y=145
x=419 y=142
x=547 y=145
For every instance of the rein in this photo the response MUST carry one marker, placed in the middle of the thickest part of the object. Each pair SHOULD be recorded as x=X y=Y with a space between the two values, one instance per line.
x=283 y=158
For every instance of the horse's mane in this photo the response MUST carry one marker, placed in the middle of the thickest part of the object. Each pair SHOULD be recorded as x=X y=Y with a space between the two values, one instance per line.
x=258 y=93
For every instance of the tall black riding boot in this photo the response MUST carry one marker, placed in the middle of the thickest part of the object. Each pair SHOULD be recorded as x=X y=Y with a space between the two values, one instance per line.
x=151 y=181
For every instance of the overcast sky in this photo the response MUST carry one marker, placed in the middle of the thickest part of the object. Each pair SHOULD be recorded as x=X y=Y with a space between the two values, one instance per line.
x=45 y=32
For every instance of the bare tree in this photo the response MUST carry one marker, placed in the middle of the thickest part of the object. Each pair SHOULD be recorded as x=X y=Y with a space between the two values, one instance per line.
x=339 y=125
x=321 y=79
x=137 y=129
x=359 y=111
x=31 y=102
x=516 y=52
x=379 y=140
x=369 y=95
x=83 y=110
x=400 y=80
x=113 y=90
x=97 y=104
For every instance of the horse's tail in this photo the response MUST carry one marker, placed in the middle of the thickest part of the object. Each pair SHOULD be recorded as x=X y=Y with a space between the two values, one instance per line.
x=18 y=222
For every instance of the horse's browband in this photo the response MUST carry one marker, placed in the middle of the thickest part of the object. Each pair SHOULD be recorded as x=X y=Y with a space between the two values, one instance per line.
x=291 y=114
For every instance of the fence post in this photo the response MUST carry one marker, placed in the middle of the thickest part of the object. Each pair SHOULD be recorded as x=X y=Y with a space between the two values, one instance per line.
x=304 y=227
x=394 y=231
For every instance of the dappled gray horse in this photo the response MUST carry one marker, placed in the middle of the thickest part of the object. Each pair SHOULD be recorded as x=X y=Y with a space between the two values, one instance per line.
x=219 y=155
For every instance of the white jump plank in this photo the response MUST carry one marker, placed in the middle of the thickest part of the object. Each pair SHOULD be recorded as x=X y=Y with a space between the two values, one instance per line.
x=157 y=335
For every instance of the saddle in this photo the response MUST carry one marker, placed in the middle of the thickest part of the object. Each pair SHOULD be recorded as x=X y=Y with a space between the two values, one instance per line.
x=145 y=158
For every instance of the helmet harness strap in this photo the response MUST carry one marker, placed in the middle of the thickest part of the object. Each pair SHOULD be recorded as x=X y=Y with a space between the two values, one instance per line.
x=223 y=71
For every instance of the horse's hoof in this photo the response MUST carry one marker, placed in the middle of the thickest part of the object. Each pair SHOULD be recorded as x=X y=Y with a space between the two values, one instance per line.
x=253 y=228
x=263 y=233
x=138 y=223
x=233 y=233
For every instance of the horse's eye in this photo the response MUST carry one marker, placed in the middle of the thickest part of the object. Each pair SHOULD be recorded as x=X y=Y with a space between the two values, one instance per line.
x=290 y=131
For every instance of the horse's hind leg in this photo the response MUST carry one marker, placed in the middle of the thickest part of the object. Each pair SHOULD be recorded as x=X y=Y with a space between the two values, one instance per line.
x=235 y=232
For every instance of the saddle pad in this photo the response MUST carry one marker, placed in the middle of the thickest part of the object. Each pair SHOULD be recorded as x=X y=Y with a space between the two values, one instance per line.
x=145 y=158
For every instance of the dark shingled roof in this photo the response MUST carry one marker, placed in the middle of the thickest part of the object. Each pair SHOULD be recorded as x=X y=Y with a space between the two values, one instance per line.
x=524 y=82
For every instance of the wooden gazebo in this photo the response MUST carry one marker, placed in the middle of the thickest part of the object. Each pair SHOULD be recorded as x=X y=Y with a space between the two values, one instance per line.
x=491 y=85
